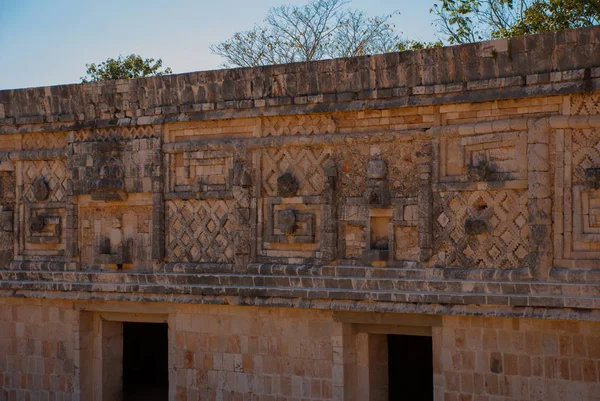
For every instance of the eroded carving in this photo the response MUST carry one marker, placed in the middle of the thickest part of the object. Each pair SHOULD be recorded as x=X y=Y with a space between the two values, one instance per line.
x=241 y=175
x=118 y=254
x=109 y=185
x=116 y=235
x=592 y=177
x=475 y=227
x=40 y=189
x=6 y=219
x=44 y=228
x=378 y=192
x=480 y=171
x=287 y=185
x=286 y=221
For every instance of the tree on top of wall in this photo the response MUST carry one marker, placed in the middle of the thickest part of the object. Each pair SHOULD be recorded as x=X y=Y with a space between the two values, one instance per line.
x=465 y=21
x=132 y=66
x=317 y=30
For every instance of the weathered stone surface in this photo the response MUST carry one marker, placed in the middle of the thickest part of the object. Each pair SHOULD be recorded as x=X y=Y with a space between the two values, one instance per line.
x=449 y=183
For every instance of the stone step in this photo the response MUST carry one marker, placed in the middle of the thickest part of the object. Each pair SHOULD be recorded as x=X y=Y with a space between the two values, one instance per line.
x=306 y=282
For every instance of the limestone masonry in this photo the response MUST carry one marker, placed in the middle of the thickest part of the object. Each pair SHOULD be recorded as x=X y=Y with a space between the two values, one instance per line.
x=293 y=224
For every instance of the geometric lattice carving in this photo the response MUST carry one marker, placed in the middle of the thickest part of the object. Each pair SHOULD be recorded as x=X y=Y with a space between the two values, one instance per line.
x=578 y=199
x=111 y=134
x=305 y=164
x=504 y=242
x=585 y=105
x=54 y=172
x=47 y=140
x=200 y=231
x=586 y=153
x=298 y=125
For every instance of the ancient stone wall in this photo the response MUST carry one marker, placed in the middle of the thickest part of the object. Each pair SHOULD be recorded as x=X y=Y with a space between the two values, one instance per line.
x=58 y=350
x=454 y=191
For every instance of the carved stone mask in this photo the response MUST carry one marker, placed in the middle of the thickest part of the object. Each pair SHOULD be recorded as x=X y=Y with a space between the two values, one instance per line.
x=287 y=221
x=37 y=224
x=475 y=227
x=377 y=169
x=40 y=189
x=592 y=176
x=287 y=185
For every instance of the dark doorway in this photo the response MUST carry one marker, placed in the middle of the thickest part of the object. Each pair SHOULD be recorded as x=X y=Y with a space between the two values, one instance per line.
x=145 y=362
x=410 y=368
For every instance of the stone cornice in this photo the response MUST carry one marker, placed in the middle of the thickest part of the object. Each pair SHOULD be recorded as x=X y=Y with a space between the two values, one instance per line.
x=548 y=64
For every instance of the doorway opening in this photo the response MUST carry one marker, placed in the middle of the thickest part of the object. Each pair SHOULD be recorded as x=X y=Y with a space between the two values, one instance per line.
x=145 y=362
x=410 y=368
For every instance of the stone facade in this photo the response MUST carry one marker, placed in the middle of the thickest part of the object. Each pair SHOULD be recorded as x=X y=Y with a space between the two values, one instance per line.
x=283 y=220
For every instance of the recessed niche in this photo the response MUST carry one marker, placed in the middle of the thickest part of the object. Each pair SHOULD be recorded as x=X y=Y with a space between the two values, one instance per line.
x=379 y=235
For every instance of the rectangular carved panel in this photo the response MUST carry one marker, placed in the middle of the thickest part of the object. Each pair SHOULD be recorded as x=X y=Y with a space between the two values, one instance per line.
x=116 y=235
x=291 y=227
x=306 y=165
x=298 y=125
x=200 y=230
x=7 y=210
x=474 y=162
x=44 y=229
x=206 y=172
x=577 y=198
x=481 y=228
x=46 y=140
x=53 y=172
x=106 y=161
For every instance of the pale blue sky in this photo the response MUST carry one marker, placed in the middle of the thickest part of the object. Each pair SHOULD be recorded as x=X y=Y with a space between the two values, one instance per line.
x=48 y=42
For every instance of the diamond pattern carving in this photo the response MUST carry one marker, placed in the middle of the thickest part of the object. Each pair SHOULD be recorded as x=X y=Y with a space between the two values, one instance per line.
x=306 y=165
x=55 y=174
x=298 y=125
x=504 y=244
x=111 y=134
x=586 y=153
x=200 y=231
x=585 y=105
x=47 y=140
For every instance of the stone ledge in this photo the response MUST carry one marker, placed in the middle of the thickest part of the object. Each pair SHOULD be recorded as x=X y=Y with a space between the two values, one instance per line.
x=516 y=67
x=268 y=284
x=336 y=103
x=572 y=313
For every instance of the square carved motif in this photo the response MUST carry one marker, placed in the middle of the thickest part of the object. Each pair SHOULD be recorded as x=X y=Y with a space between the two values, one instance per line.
x=201 y=172
x=577 y=198
x=475 y=162
x=44 y=229
x=200 y=230
x=116 y=235
x=291 y=226
x=481 y=228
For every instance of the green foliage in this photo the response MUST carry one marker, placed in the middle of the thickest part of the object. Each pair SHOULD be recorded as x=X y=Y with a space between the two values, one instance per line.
x=416 y=45
x=465 y=21
x=554 y=15
x=132 y=66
